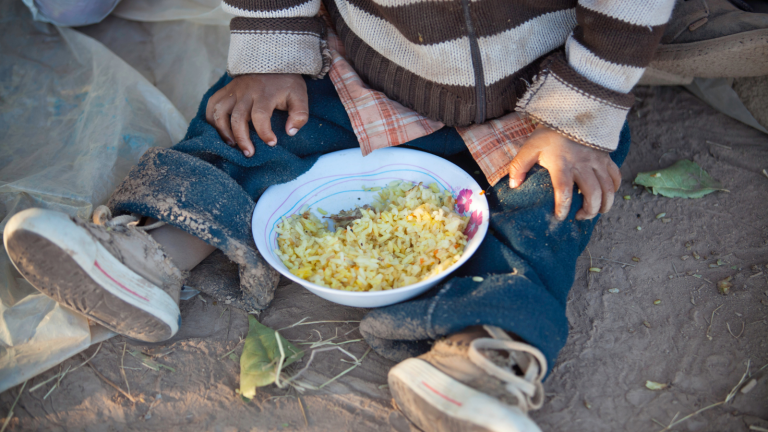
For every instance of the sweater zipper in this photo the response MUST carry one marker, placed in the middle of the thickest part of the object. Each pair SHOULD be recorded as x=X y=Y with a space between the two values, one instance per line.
x=477 y=65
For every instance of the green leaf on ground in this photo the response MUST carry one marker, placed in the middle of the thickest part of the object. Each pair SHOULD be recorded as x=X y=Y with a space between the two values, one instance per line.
x=260 y=360
x=684 y=179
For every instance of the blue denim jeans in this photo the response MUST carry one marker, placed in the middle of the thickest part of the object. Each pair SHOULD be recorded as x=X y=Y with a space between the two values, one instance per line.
x=527 y=260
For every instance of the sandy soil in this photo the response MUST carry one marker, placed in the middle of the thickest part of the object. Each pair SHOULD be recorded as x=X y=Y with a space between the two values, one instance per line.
x=617 y=342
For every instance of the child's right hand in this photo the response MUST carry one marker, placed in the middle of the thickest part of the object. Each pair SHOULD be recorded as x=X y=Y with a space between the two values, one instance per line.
x=254 y=97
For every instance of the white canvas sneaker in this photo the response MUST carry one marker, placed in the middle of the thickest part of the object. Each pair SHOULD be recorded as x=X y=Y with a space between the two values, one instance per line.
x=486 y=384
x=114 y=273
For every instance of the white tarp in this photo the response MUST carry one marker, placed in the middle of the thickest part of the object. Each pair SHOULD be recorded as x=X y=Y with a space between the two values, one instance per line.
x=74 y=118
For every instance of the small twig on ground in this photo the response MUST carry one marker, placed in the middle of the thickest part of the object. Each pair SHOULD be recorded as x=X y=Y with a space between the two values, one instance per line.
x=675 y=269
x=720 y=145
x=666 y=153
x=122 y=368
x=282 y=360
x=757 y=428
x=58 y=382
x=743 y=324
x=765 y=173
x=301 y=323
x=358 y=363
x=711 y=320
x=304 y=413
x=233 y=349
x=356 y=328
x=60 y=376
x=113 y=385
x=617 y=262
x=312 y=357
x=222 y=313
x=320 y=343
x=727 y=399
x=10 y=411
x=758 y=371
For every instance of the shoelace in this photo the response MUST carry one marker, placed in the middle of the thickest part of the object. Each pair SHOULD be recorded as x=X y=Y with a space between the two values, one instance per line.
x=103 y=216
x=527 y=389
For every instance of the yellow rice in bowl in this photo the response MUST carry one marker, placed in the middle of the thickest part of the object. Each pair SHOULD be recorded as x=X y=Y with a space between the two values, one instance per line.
x=406 y=235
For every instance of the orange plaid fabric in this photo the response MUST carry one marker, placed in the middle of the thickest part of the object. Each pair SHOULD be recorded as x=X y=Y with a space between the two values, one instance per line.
x=380 y=122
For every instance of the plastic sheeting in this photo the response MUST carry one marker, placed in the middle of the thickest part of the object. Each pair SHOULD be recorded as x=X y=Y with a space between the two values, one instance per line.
x=181 y=58
x=719 y=94
x=70 y=12
x=198 y=11
x=74 y=118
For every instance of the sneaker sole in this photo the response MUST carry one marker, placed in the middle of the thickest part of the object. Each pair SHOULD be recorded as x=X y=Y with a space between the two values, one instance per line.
x=739 y=55
x=64 y=262
x=433 y=401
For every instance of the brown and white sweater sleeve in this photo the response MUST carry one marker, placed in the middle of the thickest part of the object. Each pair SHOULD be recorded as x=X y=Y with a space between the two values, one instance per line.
x=585 y=95
x=276 y=36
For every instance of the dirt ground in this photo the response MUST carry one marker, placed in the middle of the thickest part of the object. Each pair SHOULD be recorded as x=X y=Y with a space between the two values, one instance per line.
x=695 y=340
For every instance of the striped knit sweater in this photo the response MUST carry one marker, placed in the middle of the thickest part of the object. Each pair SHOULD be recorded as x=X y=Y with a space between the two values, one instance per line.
x=569 y=64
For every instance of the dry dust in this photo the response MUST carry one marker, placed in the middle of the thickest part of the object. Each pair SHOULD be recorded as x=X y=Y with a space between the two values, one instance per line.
x=618 y=340
x=753 y=92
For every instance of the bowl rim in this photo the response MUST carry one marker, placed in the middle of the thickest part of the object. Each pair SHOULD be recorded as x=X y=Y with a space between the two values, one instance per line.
x=480 y=234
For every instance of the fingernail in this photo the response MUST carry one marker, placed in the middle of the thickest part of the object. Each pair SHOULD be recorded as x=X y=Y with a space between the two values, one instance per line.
x=292 y=131
x=512 y=183
x=272 y=143
x=247 y=153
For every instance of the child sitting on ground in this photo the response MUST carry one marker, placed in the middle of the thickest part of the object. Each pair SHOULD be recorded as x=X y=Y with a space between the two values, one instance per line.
x=555 y=74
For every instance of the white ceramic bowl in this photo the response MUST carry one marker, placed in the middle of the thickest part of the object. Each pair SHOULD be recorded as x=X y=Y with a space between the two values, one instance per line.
x=336 y=183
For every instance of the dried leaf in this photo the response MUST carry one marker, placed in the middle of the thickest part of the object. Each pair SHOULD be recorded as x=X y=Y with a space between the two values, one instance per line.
x=684 y=179
x=260 y=359
x=724 y=286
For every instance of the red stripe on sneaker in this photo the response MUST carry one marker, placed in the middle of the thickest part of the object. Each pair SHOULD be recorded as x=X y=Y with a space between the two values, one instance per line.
x=441 y=395
x=96 y=263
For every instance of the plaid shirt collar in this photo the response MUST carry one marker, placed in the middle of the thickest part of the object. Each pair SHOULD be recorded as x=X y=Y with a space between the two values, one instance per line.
x=379 y=122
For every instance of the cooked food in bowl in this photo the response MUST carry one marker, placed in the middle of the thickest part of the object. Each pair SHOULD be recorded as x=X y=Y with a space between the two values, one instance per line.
x=408 y=234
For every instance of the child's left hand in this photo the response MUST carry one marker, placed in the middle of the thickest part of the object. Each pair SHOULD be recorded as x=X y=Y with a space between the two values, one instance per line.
x=569 y=162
